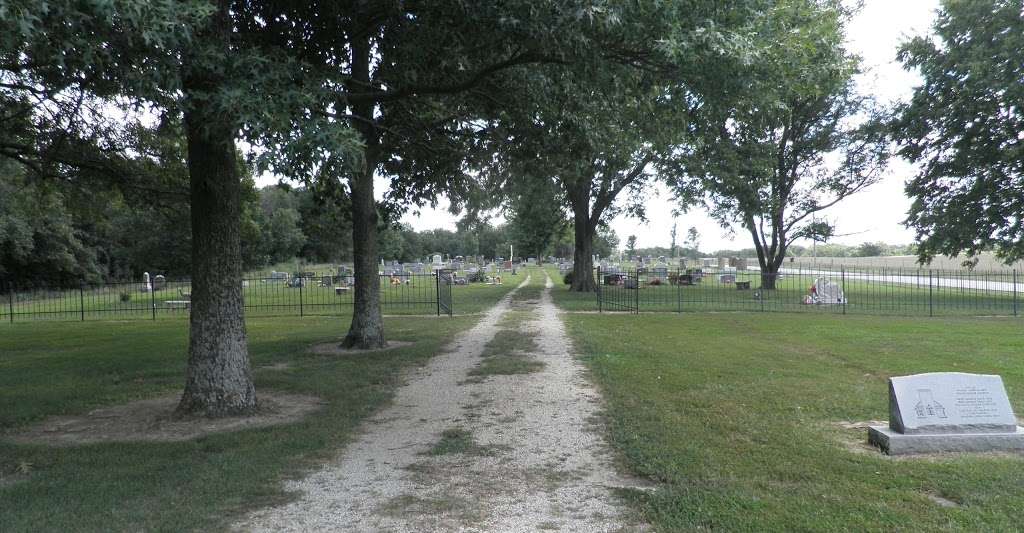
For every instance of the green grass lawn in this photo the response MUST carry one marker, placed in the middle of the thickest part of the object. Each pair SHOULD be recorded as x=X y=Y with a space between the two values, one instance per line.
x=737 y=416
x=68 y=368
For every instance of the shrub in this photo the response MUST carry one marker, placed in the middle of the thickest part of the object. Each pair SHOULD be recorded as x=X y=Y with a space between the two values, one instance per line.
x=655 y=281
x=568 y=278
x=476 y=277
x=126 y=296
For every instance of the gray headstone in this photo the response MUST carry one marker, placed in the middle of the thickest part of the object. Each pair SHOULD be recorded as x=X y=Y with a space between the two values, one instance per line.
x=948 y=412
x=949 y=402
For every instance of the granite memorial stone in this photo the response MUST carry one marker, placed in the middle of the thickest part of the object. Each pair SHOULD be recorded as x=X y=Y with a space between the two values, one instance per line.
x=948 y=412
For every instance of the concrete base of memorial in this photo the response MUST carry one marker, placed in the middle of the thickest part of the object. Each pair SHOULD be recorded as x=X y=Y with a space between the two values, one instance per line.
x=894 y=443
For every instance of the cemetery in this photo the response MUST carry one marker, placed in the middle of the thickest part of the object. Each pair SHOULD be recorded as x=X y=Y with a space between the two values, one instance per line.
x=514 y=266
x=315 y=290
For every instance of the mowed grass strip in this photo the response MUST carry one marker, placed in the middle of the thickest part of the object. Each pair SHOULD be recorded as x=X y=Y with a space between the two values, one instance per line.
x=739 y=417
x=69 y=368
x=458 y=440
x=508 y=353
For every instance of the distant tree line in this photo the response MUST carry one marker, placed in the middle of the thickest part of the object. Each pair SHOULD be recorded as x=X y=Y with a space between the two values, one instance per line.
x=56 y=234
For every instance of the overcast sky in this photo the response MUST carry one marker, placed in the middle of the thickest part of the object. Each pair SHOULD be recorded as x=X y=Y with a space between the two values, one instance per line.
x=873 y=215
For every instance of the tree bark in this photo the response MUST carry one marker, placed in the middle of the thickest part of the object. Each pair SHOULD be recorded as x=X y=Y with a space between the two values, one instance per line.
x=583 y=251
x=367 y=328
x=769 y=278
x=218 y=381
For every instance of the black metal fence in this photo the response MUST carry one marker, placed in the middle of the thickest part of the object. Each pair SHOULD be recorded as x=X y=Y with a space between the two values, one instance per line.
x=839 y=290
x=445 y=280
x=305 y=294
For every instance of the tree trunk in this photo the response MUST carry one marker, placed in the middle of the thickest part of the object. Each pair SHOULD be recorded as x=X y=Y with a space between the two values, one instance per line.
x=770 y=268
x=583 y=257
x=768 y=278
x=218 y=381
x=367 y=328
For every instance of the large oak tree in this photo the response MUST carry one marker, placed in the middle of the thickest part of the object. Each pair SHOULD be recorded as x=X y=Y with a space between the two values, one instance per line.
x=795 y=140
x=963 y=128
x=412 y=80
x=63 y=67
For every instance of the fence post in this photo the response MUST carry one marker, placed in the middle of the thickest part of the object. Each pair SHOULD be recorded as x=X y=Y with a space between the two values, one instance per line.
x=842 y=285
x=1015 y=292
x=437 y=290
x=10 y=300
x=679 y=290
x=302 y=281
x=81 y=299
x=761 y=293
x=599 y=281
x=637 y=299
x=930 y=311
x=152 y=300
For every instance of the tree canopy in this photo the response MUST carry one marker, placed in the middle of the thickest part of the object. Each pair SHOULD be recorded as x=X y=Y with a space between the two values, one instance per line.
x=797 y=140
x=963 y=128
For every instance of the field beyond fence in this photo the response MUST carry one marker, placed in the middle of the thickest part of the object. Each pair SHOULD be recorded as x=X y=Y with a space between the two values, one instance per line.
x=861 y=290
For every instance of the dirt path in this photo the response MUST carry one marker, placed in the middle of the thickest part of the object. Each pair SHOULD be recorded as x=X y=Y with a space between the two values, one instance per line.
x=458 y=451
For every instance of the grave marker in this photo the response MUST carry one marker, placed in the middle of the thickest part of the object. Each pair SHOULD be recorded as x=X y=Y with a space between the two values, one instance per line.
x=948 y=412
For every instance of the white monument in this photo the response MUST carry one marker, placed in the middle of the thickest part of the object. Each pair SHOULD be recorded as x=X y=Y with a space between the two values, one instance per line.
x=948 y=412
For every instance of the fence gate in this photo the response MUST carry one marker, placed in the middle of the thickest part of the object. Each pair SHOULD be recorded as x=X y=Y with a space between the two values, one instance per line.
x=445 y=279
x=618 y=291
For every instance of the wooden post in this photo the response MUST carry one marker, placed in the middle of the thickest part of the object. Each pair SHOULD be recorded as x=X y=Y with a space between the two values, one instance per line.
x=81 y=299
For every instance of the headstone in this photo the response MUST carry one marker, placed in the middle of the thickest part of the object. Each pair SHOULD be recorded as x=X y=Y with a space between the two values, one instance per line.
x=436 y=259
x=948 y=412
x=146 y=285
x=159 y=282
x=723 y=262
x=727 y=278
